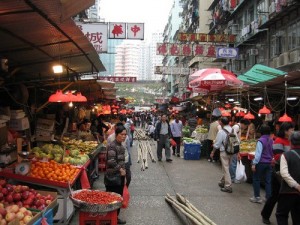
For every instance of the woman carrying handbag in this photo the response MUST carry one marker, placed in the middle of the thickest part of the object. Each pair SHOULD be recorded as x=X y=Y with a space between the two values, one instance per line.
x=115 y=165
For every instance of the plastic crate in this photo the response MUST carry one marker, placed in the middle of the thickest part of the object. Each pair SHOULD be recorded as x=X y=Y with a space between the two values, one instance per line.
x=48 y=215
x=192 y=151
x=110 y=218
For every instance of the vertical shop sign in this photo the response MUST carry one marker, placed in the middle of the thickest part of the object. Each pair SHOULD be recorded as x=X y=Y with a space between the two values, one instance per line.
x=135 y=31
x=96 y=33
x=117 y=30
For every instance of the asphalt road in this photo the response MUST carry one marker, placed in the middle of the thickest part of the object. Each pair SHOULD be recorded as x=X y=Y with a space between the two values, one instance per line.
x=197 y=180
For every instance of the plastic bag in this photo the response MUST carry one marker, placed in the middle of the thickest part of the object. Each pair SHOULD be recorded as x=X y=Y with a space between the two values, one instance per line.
x=172 y=142
x=240 y=173
x=126 y=197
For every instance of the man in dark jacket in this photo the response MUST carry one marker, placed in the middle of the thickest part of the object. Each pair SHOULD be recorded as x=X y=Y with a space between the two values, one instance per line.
x=289 y=195
x=162 y=135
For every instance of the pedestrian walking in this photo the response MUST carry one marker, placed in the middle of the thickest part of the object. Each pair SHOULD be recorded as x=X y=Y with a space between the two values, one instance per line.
x=176 y=129
x=162 y=135
x=214 y=127
x=281 y=144
x=289 y=196
x=221 y=139
x=235 y=157
x=261 y=164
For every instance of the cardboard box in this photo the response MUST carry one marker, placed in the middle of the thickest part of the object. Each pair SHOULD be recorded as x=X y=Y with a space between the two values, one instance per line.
x=19 y=124
x=45 y=124
x=53 y=194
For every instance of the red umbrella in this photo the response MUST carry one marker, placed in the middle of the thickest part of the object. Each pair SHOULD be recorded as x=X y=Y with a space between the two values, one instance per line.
x=214 y=79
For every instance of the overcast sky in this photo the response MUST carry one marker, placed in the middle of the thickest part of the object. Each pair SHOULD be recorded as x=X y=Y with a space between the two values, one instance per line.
x=153 y=13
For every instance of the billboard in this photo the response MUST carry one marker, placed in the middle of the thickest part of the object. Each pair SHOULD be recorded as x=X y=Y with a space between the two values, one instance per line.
x=96 y=33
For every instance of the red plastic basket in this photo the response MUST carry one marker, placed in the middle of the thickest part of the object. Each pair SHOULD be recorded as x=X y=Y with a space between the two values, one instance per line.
x=110 y=218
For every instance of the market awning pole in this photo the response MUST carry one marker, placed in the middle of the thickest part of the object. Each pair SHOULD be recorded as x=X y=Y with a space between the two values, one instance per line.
x=47 y=103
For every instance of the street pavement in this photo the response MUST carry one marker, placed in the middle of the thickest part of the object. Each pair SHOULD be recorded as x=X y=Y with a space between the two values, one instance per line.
x=197 y=180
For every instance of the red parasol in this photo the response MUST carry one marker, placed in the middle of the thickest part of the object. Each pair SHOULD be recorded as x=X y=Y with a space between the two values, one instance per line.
x=214 y=79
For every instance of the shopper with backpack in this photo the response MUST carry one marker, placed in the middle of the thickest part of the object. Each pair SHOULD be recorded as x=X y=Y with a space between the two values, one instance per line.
x=261 y=164
x=222 y=143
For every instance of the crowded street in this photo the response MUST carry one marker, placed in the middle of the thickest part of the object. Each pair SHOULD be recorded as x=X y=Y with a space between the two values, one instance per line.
x=197 y=180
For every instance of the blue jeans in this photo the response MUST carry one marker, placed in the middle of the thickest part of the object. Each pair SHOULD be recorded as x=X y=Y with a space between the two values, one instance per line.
x=262 y=170
x=232 y=167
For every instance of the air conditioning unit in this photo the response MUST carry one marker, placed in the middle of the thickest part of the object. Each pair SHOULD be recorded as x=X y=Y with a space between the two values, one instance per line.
x=284 y=59
x=261 y=60
x=253 y=52
x=242 y=57
x=294 y=56
x=276 y=62
x=234 y=29
x=272 y=8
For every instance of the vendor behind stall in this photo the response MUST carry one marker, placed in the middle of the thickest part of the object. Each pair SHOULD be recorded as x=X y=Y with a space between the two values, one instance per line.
x=84 y=132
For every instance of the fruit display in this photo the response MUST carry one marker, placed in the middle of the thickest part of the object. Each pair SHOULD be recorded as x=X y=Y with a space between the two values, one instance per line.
x=186 y=131
x=23 y=196
x=49 y=151
x=96 y=197
x=82 y=146
x=53 y=171
x=201 y=130
x=13 y=212
x=190 y=140
x=75 y=158
x=248 y=146
x=56 y=153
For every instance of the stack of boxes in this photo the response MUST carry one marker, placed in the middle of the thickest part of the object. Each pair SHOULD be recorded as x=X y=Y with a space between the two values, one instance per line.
x=18 y=120
x=44 y=129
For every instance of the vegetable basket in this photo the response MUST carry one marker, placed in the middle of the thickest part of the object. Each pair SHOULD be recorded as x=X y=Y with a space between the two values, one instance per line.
x=96 y=208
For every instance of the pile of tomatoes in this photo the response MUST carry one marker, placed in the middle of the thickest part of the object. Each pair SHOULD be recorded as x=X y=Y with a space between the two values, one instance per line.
x=97 y=197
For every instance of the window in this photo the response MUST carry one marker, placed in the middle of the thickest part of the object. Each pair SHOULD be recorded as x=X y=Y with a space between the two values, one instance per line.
x=292 y=36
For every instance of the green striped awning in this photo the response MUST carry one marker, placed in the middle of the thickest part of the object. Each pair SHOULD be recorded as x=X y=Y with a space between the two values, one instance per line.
x=259 y=74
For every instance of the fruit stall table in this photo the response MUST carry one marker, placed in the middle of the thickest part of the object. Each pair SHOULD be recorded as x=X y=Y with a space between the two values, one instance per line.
x=92 y=168
x=63 y=188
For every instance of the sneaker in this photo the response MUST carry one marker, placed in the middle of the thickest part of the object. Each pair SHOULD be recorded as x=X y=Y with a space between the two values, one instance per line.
x=266 y=221
x=221 y=184
x=227 y=189
x=256 y=200
x=169 y=160
x=214 y=161
x=159 y=160
x=208 y=160
x=121 y=221
x=178 y=155
x=235 y=181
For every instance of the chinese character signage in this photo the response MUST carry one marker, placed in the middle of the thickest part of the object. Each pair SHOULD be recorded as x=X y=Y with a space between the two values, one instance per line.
x=117 y=30
x=215 y=38
x=186 y=49
x=135 y=31
x=96 y=33
x=171 y=70
x=118 y=79
x=126 y=30
x=227 y=53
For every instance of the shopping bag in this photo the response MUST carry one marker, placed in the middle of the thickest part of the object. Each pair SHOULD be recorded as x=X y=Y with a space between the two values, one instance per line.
x=240 y=173
x=172 y=142
x=126 y=197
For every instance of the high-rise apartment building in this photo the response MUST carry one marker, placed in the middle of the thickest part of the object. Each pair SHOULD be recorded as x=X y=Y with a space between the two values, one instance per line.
x=127 y=59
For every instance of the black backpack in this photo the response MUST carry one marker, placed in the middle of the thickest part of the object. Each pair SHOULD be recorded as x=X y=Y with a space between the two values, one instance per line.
x=232 y=144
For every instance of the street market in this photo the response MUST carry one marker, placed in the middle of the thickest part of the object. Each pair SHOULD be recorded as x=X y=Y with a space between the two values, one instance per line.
x=208 y=135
